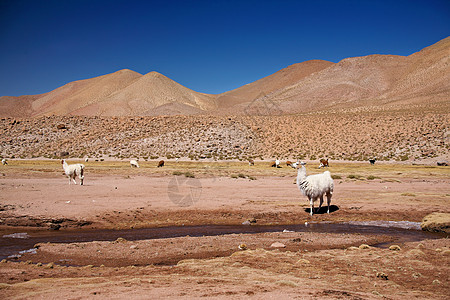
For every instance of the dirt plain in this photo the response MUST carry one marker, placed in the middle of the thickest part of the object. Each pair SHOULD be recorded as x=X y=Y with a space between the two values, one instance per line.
x=37 y=199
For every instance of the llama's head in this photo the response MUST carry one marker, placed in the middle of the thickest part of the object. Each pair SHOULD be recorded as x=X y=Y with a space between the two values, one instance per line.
x=300 y=164
x=63 y=161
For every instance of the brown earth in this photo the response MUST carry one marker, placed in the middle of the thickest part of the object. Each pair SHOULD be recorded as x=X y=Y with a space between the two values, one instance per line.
x=35 y=194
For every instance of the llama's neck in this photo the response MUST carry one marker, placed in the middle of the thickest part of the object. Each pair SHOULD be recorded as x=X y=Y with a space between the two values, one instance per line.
x=65 y=165
x=301 y=175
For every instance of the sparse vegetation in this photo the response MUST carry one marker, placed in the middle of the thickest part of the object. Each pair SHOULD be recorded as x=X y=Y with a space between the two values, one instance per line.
x=408 y=194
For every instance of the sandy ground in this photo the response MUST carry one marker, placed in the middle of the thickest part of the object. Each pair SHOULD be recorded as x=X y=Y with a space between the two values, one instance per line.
x=307 y=265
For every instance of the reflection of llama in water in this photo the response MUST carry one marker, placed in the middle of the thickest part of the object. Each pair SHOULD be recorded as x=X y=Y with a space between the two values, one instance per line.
x=184 y=191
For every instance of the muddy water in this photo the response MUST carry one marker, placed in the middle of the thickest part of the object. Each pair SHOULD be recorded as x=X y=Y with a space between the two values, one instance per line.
x=12 y=244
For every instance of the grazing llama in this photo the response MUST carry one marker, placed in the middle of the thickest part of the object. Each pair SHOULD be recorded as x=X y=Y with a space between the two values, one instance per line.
x=4 y=161
x=315 y=186
x=134 y=163
x=251 y=162
x=73 y=171
x=323 y=163
x=161 y=164
x=372 y=161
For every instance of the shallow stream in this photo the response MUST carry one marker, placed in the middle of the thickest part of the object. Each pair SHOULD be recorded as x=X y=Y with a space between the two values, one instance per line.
x=13 y=243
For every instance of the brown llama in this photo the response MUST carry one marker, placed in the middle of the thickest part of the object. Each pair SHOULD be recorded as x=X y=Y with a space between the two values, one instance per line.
x=323 y=163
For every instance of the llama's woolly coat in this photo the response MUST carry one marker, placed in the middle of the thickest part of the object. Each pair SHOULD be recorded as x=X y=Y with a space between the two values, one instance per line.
x=134 y=163
x=316 y=185
x=73 y=171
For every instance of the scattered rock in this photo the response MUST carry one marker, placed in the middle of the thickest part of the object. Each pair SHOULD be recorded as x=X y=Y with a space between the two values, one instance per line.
x=278 y=245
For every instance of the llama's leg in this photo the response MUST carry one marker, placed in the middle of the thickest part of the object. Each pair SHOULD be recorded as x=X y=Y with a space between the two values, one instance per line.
x=81 y=176
x=311 y=206
x=329 y=194
x=73 y=177
x=320 y=203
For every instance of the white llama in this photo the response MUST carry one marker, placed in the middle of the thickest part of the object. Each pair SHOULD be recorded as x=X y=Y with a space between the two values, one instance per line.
x=73 y=171
x=315 y=186
x=134 y=163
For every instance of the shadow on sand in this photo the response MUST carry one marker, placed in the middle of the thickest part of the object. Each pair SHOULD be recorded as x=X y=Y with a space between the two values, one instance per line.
x=323 y=209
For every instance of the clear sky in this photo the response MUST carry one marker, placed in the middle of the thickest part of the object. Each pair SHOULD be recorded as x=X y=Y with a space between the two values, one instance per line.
x=208 y=46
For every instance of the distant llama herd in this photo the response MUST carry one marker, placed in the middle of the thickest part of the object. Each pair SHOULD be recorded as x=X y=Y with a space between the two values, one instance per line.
x=314 y=187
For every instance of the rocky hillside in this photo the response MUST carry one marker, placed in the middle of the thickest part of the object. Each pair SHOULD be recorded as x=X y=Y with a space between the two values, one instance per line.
x=403 y=135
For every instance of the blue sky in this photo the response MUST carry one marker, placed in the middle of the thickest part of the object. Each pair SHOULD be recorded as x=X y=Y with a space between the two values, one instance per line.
x=207 y=46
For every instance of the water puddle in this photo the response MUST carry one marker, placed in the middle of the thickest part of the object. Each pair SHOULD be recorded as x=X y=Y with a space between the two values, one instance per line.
x=11 y=243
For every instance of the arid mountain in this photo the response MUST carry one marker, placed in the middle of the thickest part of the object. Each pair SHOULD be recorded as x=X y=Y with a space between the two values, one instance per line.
x=369 y=82
x=79 y=94
x=374 y=80
x=145 y=94
x=123 y=93
x=269 y=84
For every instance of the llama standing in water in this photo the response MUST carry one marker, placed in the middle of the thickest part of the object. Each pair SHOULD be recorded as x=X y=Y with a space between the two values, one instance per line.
x=73 y=171
x=315 y=186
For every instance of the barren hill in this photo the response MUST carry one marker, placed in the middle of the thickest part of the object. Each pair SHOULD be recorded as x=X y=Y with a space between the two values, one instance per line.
x=267 y=85
x=147 y=93
x=375 y=80
x=123 y=93
x=369 y=82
